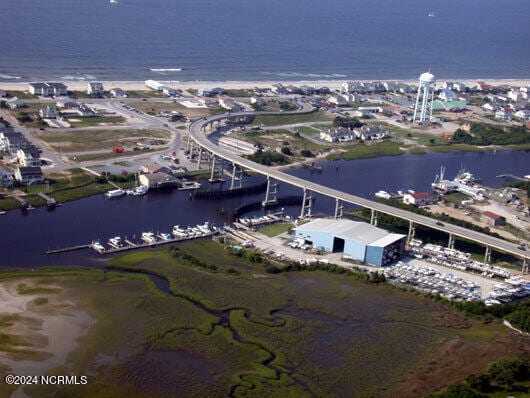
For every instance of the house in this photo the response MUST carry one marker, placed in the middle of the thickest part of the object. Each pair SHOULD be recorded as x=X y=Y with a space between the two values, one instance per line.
x=517 y=95
x=493 y=219
x=447 y=95
x=404 y=88
x=504 y=114
x=58 y=89
x=523 y=114
x=257 y=100
x=48 y=89
x=418 y=198
x=85 y=111
x=95 y=89
x=337 y=100
x=459 y=87
x=353 y=87
x=371 y=109
x=13 y=141
x=66 y=103
x=307 y=90
x=41 y=89
x=3 y=94
x=170 y=92
x=211 y=92
x=464 y=97
x=29 y=175
x=482 y=86
x=118 y=92
x=29 y=157
x=391 y=87
x=157 y=180
x=48 y=113
x=337 y=134
x=6 y=178
x=371 y=132
x=490 y=106
x=362 y=113
x=14 y=103
x=279 y=89
x=229 y=104
x=351 y=97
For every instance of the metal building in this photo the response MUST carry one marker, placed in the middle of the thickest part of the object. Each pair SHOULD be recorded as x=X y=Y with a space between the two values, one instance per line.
x=357 y=240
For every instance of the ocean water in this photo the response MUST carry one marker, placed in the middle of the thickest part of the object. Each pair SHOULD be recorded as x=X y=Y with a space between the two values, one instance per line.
x=273 y=39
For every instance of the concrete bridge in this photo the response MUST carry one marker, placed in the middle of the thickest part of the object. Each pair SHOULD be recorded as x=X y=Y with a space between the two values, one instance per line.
x=198 y=133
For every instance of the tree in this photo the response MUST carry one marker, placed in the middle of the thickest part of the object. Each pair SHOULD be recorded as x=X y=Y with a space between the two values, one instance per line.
x=432 y=141
x=306 y=153
x=286 y=150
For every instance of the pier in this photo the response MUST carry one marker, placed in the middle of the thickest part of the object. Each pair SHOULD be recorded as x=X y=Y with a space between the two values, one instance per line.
x=50 y=202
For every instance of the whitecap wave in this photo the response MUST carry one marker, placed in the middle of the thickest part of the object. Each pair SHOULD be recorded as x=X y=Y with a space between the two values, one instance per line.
x=4 y=76
x=165 y=69
x=297 y=74
x=73 y=78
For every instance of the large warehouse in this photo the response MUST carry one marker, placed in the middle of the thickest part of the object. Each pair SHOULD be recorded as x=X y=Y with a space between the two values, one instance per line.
x=357 y=240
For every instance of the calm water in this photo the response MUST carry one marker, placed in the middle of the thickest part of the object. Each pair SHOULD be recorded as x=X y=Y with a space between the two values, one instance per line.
x=243 y=40
x=25 y=238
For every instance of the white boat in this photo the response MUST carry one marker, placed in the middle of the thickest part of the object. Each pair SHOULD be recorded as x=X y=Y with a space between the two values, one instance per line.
x=189 y=185
x=140 y=190
x=96 y=245
x=382 y=195
x=179 y=231
x=205 y=228
x=164 y=236
x=115 y=193
x=432 y=14
x=2 y=212
x=116 y=242
x=113 y=1
x=148 y=237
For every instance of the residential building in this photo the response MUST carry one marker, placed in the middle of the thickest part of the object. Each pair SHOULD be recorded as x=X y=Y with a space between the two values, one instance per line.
x=154 y=85
x=493 y=219
x=307 y=90
x=371 y=132
x=66 y=103
x=95 y=89
x=504 y=114
x=279 y=89
x=371 y=109
x=13 y=141
x=154 y=167
x=6 y=178
x=490 y=106
x=170 y=92
x=257 y=100
x=118 y=92
x=337 y=100
x=48 y=89
x=419 y=198
x=28 y=157
x=29 y=175
x=157 y=180
x=229 y=104
x=85 y=111
x=58 y=89
x=447 y=95
x=211 y=92
x=337 y=134
x=356 y=240
x=3 y=94
x=48 y=113
x=523 y=114
x=14 y=103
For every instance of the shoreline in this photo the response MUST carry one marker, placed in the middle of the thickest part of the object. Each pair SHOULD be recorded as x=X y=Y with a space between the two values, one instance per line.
x=247 y=84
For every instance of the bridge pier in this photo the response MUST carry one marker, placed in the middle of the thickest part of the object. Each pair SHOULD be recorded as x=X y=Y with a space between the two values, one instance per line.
x=487 y=255
x=524 y=269
x=412 y=232
x=216 y=168
x=451 y=243
x=338 y=208
x=237 y=175
x=373 y=218
x=199 y=159
x=307 y=202
x=270 y=193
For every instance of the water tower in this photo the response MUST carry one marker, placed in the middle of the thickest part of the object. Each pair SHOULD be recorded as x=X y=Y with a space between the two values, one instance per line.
x=425 y=89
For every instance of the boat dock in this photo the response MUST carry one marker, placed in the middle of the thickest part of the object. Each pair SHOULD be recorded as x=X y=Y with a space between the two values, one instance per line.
x=50 y=202
x=67 y=249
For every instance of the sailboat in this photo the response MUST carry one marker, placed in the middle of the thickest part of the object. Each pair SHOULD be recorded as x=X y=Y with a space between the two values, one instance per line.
x=431 y=14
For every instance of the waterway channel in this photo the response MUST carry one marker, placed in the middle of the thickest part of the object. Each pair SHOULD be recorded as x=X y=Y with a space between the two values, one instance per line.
x=24 y=239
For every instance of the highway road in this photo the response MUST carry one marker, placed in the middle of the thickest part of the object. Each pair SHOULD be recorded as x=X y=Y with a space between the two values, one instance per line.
x=198 y=135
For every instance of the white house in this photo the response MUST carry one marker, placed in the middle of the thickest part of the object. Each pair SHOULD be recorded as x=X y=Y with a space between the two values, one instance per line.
x=26 y=159
x=337 y=100
x=418 y=199
x=48 y=113
x=337 y=134
x=523 y=114
x=118 y=92
x=211 y=92
x=229 y=104
x=447 y=95
x=504 y=114
x=6 y=178
x=14 y=103
x=371 y=132
x=3 y=93
x=66 y=103
x=490 y=106
x=29 y=175
x=94 y=88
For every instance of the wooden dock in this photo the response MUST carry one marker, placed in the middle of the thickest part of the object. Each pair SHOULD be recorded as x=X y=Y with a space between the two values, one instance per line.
x=132 y=245
x=50 y=202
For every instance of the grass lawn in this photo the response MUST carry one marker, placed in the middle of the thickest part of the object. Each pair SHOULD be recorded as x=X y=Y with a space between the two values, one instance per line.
x=279 y=120
x=251 y=333
x=108 y=155
x=86 y=140
x=367 y=150
x=275 y=229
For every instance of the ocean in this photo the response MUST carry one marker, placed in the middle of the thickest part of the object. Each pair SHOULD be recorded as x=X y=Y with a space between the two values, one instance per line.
x=246 y=40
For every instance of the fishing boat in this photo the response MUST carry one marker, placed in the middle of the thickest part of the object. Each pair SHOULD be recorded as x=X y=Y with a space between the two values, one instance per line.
x=116 y=242
x=115 y=193
x=97 y=246
x=149 y=237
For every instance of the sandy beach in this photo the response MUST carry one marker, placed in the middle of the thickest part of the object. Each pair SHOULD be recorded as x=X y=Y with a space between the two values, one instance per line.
x=234 y=85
